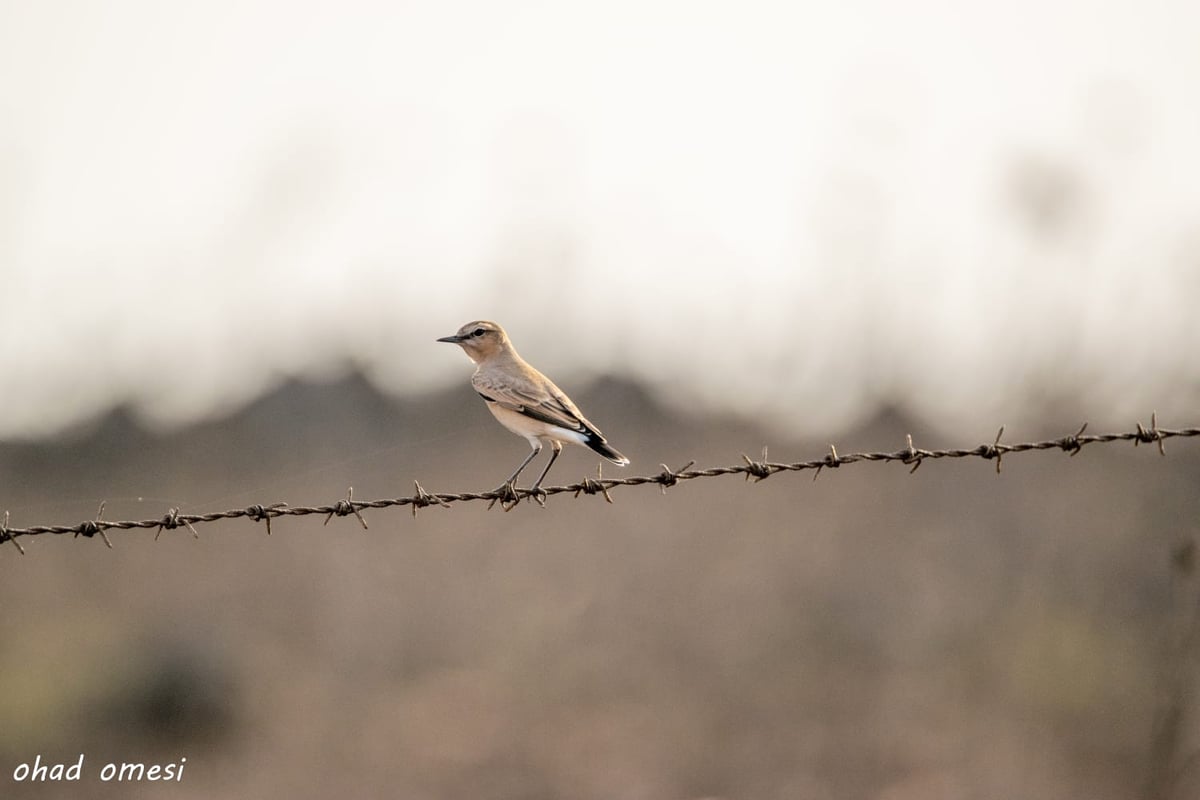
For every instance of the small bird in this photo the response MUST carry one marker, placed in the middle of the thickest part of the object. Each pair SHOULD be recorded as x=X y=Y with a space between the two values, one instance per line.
x=524 y=400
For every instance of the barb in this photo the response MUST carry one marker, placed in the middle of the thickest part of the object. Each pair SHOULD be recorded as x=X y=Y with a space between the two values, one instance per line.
x=4 y=534
x=343 y=508
x=508 y=496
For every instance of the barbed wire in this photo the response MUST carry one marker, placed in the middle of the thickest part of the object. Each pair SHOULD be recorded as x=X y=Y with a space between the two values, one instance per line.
x=509 y=497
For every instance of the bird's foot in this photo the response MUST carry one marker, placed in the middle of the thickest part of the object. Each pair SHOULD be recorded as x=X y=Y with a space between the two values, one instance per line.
x=506 y=494
x=539 y=495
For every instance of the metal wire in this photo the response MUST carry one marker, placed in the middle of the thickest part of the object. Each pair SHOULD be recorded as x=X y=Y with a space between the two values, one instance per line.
x=508 y=497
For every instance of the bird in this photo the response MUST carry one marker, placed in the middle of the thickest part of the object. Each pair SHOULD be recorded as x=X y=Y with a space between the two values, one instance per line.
x=525 y=401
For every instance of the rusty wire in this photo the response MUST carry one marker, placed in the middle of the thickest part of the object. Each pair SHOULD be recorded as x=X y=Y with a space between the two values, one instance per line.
x=508 y=497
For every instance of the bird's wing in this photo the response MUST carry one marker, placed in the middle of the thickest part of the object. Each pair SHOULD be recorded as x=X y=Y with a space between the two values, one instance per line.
x=537 y=398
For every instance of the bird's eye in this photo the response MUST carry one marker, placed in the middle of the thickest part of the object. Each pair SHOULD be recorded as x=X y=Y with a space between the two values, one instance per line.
x=477 y=332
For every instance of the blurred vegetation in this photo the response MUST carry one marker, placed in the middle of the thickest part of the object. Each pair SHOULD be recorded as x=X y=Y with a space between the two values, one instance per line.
x=871 y=634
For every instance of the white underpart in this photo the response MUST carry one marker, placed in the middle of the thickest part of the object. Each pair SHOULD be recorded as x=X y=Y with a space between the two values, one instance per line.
x=534 y=430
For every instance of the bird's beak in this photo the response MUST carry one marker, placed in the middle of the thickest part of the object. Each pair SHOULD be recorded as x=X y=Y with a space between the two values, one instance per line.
x=455 y=339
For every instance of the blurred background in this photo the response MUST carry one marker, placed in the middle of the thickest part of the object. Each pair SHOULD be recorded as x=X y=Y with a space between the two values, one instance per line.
x=230 y=233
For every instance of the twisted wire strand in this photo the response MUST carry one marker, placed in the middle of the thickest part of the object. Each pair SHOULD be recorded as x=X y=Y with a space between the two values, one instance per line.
x=508 y=497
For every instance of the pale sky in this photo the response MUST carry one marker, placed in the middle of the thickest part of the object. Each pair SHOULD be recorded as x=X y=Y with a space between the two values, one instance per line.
x=961 y=207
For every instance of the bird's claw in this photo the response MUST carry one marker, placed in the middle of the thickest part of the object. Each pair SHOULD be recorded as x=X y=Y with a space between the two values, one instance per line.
x=506 y=493
x=539 y=495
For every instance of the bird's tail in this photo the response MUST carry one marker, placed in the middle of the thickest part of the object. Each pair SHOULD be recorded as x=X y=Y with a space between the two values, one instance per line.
x=602 y=447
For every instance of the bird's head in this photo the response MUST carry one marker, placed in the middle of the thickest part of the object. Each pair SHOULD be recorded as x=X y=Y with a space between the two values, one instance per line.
x=479 y=339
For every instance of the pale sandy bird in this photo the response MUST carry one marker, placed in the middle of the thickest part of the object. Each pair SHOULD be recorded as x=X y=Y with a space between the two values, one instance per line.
x=524 y=400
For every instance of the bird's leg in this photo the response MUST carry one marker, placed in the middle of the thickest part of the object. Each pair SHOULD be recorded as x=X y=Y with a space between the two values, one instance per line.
x=536 y=490
x=537 y=448
x=508 y=489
